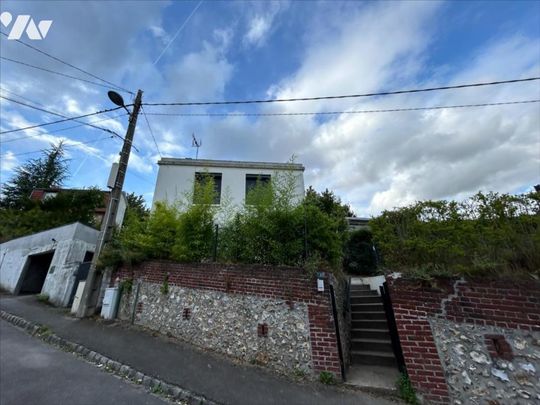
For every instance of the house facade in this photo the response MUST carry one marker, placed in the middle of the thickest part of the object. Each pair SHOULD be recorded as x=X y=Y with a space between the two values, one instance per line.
x=232 y=179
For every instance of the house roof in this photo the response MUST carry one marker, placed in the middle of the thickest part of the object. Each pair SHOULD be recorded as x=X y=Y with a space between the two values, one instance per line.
x=230 y=163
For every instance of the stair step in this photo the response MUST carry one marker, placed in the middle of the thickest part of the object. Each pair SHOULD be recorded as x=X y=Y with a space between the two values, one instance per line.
x=365 y=299
x=367 y=306
x=363 y=324
x=365 y=315
x=373 y=358
x=377 y=345
x=360 y=287
x=370 y=334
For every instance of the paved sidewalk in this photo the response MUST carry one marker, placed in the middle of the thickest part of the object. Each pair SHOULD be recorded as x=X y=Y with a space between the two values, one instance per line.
x=212 y=376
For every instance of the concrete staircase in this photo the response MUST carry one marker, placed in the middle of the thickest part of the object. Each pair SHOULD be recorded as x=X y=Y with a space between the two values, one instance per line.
x=370 y=337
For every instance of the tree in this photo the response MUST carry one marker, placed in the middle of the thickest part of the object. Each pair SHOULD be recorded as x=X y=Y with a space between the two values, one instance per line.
x=136 y=205
x=48 y=171
x=328 y=203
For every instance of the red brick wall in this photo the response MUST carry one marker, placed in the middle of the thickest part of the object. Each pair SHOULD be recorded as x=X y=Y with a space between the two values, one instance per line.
x=284 y=283
x=503 y=304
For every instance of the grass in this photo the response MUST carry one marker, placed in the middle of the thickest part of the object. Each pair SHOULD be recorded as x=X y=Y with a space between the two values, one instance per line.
x=406 y=390
x=44 y=331
x=327 y=378
x=43 y=298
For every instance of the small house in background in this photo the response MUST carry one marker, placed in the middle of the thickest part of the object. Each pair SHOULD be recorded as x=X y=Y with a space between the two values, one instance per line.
x=42 y=194
x=356 y=223
x=232 y=179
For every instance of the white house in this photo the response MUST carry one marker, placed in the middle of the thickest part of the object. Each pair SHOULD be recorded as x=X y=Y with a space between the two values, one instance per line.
x=232 y=179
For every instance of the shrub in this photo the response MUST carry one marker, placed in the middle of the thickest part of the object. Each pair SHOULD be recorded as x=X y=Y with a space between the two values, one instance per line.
x=360 y=255
x=487 y=234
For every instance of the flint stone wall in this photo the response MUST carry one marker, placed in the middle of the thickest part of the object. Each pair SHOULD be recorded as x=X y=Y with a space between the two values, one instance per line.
x=470 y=341
x=223 y=307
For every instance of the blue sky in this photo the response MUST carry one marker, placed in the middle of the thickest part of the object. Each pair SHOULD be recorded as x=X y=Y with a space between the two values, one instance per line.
x=253 y=50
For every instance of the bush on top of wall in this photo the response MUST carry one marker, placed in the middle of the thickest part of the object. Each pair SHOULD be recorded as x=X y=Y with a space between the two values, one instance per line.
x=272 y=229
x=492 y=234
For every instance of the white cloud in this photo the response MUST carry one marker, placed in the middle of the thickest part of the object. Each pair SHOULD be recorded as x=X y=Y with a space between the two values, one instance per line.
x=379 y=161
x=260 y=24
x=8 y=162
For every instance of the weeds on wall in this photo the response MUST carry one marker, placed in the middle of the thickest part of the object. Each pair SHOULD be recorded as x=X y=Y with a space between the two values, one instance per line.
x=406 y=390
x=490 y=234
x=164 y=289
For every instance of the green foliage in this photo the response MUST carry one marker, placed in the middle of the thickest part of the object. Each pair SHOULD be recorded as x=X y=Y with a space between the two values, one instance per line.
x=327 y=378
x=488 y=234
x=136 y=205
x=272 y=228
x=48 y=171
x=43 y=298
x=406 y=390
x=164 y=289
x=67 y=207
x=195 y=226
x=275 y=229
x=126 y=286
x=360 y=257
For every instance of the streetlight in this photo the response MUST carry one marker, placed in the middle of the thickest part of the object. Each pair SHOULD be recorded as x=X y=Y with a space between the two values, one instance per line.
x=117 y=99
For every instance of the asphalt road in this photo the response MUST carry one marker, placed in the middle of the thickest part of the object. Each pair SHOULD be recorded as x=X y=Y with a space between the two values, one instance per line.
x=32 y=372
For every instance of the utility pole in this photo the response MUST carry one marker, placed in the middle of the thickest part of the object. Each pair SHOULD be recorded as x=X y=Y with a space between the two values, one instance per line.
x=86 y=306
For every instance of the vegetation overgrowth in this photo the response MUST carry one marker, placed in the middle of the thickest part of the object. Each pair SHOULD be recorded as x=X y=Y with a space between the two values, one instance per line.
x=487 y=235
x=277 y=227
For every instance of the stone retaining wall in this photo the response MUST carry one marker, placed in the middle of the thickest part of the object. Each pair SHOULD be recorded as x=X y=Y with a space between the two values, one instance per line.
x=272 y=316
x=470 y=341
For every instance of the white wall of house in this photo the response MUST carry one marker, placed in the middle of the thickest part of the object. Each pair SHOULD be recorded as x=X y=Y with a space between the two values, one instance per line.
x=69 y=244
x=176 y=178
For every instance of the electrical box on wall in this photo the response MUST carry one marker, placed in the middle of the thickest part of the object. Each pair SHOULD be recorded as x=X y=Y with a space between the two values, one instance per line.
x=320 y=282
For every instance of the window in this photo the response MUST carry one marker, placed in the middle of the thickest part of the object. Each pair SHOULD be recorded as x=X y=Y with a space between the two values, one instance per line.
x=201 y=179
x=252 y=180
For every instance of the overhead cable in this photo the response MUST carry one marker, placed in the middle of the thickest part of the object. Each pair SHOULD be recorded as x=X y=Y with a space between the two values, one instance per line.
x=54 y=122
x=69 y=64
x=343 y=112
x=62 y=129
x=383 y=93
x=55 y=72
x=151 y=132
x=74 y=144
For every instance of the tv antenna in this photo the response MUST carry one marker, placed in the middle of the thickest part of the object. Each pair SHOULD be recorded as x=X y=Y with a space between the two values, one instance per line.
x=196 y=143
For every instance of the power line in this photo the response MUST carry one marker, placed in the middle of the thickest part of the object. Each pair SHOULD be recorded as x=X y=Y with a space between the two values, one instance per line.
x=59 y=115
x=57 y=121
x=63 y=129
x=67 y=146
x=383 y=93
x=68 y=64
x=151 y=132
x=344 y=112
x=55 y=72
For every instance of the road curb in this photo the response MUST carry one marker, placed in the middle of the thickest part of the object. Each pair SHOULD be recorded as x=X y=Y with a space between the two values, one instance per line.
x=153 y=385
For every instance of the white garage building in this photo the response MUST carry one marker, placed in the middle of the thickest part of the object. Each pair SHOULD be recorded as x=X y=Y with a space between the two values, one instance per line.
x=47 y=262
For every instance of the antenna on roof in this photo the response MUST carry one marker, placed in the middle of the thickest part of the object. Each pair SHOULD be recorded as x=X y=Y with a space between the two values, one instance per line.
x=196 y=143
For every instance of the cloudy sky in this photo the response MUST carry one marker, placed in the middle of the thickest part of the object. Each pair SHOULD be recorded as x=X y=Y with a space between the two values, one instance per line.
x=212 y=51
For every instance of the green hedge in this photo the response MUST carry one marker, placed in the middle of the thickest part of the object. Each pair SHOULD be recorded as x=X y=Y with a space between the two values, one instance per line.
x=487 y=234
